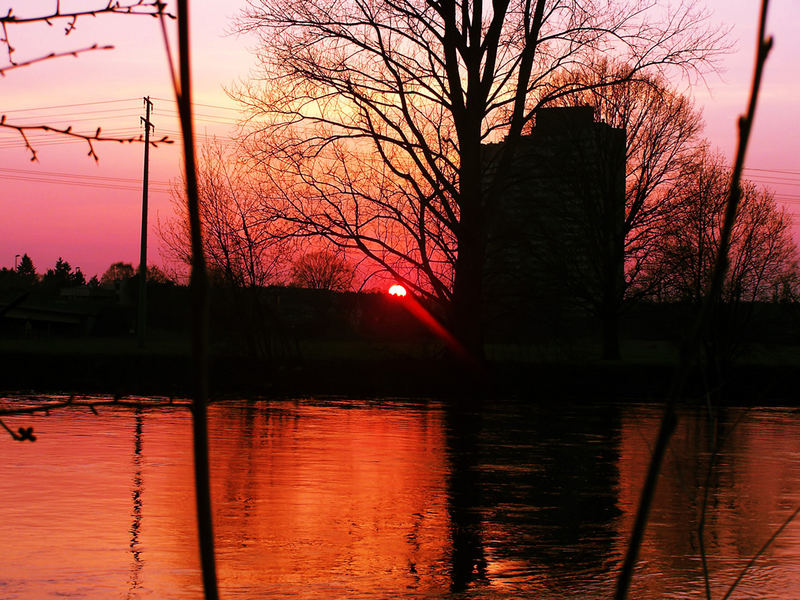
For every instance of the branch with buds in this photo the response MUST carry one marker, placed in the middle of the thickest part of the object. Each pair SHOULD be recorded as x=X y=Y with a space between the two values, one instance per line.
x=88 y=138
x=19 y=65
x=152 y=8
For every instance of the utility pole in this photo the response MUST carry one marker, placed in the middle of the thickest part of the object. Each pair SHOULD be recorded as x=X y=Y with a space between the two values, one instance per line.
x=142 y=315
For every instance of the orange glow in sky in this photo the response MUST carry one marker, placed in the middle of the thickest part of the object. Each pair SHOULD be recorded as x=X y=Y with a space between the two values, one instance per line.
x=66 y=205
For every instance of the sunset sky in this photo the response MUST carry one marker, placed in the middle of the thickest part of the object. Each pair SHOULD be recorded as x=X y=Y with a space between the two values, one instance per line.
x=89 y=214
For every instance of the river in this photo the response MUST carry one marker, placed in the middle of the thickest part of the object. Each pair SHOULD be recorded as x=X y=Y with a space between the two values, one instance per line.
x=341 y=498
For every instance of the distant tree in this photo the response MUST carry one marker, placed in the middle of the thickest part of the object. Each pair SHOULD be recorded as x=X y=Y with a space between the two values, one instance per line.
x=62 y=276
x=323 y=270
x=786 y=288
x=120 y=272
x=763 y=255
x=116 y=274
x=239 y=241
x=26 y=271
x=157 y=276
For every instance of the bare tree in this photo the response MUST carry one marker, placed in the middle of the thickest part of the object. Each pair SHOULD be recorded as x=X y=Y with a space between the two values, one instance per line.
x=323 y=270
x=661 y=132
x=240 y=243
x=622 y=226
x=762 y=253
x=69 y=19
x=378 y=112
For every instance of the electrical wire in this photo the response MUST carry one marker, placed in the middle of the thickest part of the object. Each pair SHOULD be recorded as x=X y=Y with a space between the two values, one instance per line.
x=780 y=181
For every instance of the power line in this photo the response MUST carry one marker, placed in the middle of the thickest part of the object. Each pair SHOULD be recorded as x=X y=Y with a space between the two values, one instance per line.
x=70 y=105
x=122 y=111
x=170 y=105
x=773 y=171
x=96 y=185
x=201 y=104
x=98 y=178
x=199 y=117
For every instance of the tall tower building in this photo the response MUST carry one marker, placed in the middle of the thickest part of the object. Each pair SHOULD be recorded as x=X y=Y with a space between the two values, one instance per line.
x=555 y=240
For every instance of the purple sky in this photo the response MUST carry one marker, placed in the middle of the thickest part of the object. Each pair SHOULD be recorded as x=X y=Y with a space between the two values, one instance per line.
x=66 y=205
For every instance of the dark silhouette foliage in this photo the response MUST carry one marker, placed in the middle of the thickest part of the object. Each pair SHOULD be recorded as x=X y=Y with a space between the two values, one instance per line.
x=116 y=274
x=62 y=275
x=322 y=270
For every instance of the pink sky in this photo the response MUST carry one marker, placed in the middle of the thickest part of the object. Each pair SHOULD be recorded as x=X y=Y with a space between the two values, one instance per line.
x=94 y=220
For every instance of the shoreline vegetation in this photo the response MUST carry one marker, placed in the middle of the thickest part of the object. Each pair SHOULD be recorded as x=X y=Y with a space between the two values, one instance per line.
x=298 y=342
x=765 y=374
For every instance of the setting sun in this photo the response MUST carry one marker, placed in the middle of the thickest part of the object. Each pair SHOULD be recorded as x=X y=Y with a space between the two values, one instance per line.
x=397 y=290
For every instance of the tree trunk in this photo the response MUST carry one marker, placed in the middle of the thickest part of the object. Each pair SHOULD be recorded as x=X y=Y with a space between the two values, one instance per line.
x=468 y=318
x=467 y=309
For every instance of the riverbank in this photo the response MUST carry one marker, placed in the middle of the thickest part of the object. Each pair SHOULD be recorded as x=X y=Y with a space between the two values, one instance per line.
x=163 y=367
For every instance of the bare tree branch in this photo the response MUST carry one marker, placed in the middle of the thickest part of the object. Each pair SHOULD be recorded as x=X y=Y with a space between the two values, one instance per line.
x=34 y=405
x=152 y=8
x=68 y=131
x=670 y=418
x=74 y=53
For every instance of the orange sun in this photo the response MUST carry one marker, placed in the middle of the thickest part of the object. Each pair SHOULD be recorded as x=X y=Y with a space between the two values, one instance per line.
x=397 y=290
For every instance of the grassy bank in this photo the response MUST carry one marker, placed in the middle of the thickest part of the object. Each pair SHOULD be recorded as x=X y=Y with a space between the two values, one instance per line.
x=539 y=373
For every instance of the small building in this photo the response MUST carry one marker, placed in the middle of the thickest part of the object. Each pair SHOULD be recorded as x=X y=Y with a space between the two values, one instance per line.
x=73 y=312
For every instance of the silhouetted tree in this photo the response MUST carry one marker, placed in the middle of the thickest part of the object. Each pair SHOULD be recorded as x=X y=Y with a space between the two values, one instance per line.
x=786 y=288
x=26 y=271
x=374 y=115
x=116 y=274
x=322 y=270
x=155 y=275
x=763 y=255
x=22 y=277
x=239 y=242
x=61 y=276
x=242 y=250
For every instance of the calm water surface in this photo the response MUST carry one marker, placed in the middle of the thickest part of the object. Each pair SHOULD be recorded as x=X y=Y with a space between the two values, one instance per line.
x=325 y=499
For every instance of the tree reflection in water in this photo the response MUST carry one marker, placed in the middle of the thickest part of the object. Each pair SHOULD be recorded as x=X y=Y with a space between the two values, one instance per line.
x=532 y=494
x=375 y=499
x=464 y=495
x=134 y=580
